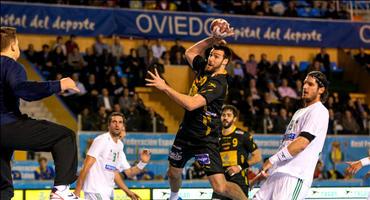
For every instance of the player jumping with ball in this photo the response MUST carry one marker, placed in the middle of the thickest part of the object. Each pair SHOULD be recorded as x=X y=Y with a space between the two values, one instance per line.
x=291 y=168
x=199 y=133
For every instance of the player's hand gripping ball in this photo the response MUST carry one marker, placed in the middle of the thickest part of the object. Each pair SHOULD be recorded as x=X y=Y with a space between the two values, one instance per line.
x=220 y=28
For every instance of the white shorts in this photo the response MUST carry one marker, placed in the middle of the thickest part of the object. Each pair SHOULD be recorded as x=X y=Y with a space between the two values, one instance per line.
x=97 y=196
x=282 y=186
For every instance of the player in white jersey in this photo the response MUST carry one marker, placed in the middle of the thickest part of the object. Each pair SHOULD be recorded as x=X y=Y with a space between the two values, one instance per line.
x=104 y=160
x=291 y=168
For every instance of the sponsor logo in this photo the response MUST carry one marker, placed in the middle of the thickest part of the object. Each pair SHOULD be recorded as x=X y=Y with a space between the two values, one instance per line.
x=203 y=159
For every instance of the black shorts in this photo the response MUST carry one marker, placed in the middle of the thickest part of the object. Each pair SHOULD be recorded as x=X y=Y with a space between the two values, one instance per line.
x=237 y=179
x=207 y=155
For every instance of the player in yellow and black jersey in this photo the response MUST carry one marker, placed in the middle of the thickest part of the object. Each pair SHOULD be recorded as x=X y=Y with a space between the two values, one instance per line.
x=236 y=146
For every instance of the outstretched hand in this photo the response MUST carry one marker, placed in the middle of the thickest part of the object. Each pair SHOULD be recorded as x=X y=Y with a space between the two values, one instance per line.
x=156 y=81
x=68 y=84
x=145 y=156
x=353 y=167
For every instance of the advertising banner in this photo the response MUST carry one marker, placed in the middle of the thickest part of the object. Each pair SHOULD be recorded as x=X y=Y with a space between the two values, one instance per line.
x=92 y=21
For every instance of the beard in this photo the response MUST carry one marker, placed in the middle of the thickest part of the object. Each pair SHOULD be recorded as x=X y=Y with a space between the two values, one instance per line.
x=115 y=132
x=309 y=99
x=226 y=124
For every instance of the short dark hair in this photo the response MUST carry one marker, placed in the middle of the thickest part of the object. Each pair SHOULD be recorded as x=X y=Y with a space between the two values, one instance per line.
x=321 y=82
x=232 y=108
x=7 y=35
x=227 y=51
x=113 y=114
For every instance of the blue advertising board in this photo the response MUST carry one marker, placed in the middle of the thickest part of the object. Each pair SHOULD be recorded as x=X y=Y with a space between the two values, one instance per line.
x=82 y=21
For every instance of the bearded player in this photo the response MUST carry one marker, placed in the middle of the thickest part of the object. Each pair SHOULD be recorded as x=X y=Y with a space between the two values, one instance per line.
x=291 y=168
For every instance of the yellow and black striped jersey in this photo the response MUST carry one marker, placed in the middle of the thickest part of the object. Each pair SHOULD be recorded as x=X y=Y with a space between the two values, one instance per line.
x=236 y=147
x=204 y=124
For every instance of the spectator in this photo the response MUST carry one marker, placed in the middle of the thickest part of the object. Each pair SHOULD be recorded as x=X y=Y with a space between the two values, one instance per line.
x=324 y=59
x=281 y=121
x=298 y=88
x=59 y=43
x=208 y=6
x=238 y=71
x=253 y=90
x=88 y=121
x=99 y=45
x=262 y=66
x=276 y=70
x=252 y=8
x=349 y=123
x=266 y=123
x=365 y=123
x=179 y=59
x=116 y=48
x=286 y=91
x=158 y=49
x=274 y=93
x=177 y=48
x=126 y=100
x=343 y=13
x=165 y=58
x=143 y=51
x=165 y=5
x=58 y=59
x=288 y=104
x=315 y=66
x=334 y=125
x=44 y=172
x=291 y=11
x=105 y=100
x=331 y=12
x=265 y=9
x=30 y=53
x=44 y=58
x=75 y=60
x=251 y=66
x=250 y=111
x=362 y=57
x=133 y=119
x=102 y=119
x=71 y=44
x=291 y=70
x=91 y=61
x=134 y=67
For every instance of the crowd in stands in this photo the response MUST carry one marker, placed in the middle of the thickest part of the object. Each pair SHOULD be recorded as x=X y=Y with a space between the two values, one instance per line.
x=106 y=78
x=285 y=8
x=363 y=59
x=267 y=92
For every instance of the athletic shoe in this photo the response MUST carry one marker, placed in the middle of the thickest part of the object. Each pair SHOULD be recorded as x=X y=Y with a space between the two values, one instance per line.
x=62 y=195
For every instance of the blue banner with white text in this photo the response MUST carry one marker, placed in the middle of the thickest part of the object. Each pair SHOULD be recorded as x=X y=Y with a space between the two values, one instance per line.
x=352 y=148
x=82 y=21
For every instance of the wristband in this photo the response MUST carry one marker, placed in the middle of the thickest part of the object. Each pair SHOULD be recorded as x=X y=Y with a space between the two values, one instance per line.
x=365 y=161
x=141 y=165
x=240 y=167
x=282 y=155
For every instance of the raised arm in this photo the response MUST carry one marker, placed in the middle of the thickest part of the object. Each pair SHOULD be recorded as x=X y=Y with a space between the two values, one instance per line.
x=200 y=47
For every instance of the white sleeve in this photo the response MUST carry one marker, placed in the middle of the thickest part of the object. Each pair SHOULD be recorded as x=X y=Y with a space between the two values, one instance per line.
x=124 y=163
x=96 y=147
x=316 y=122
